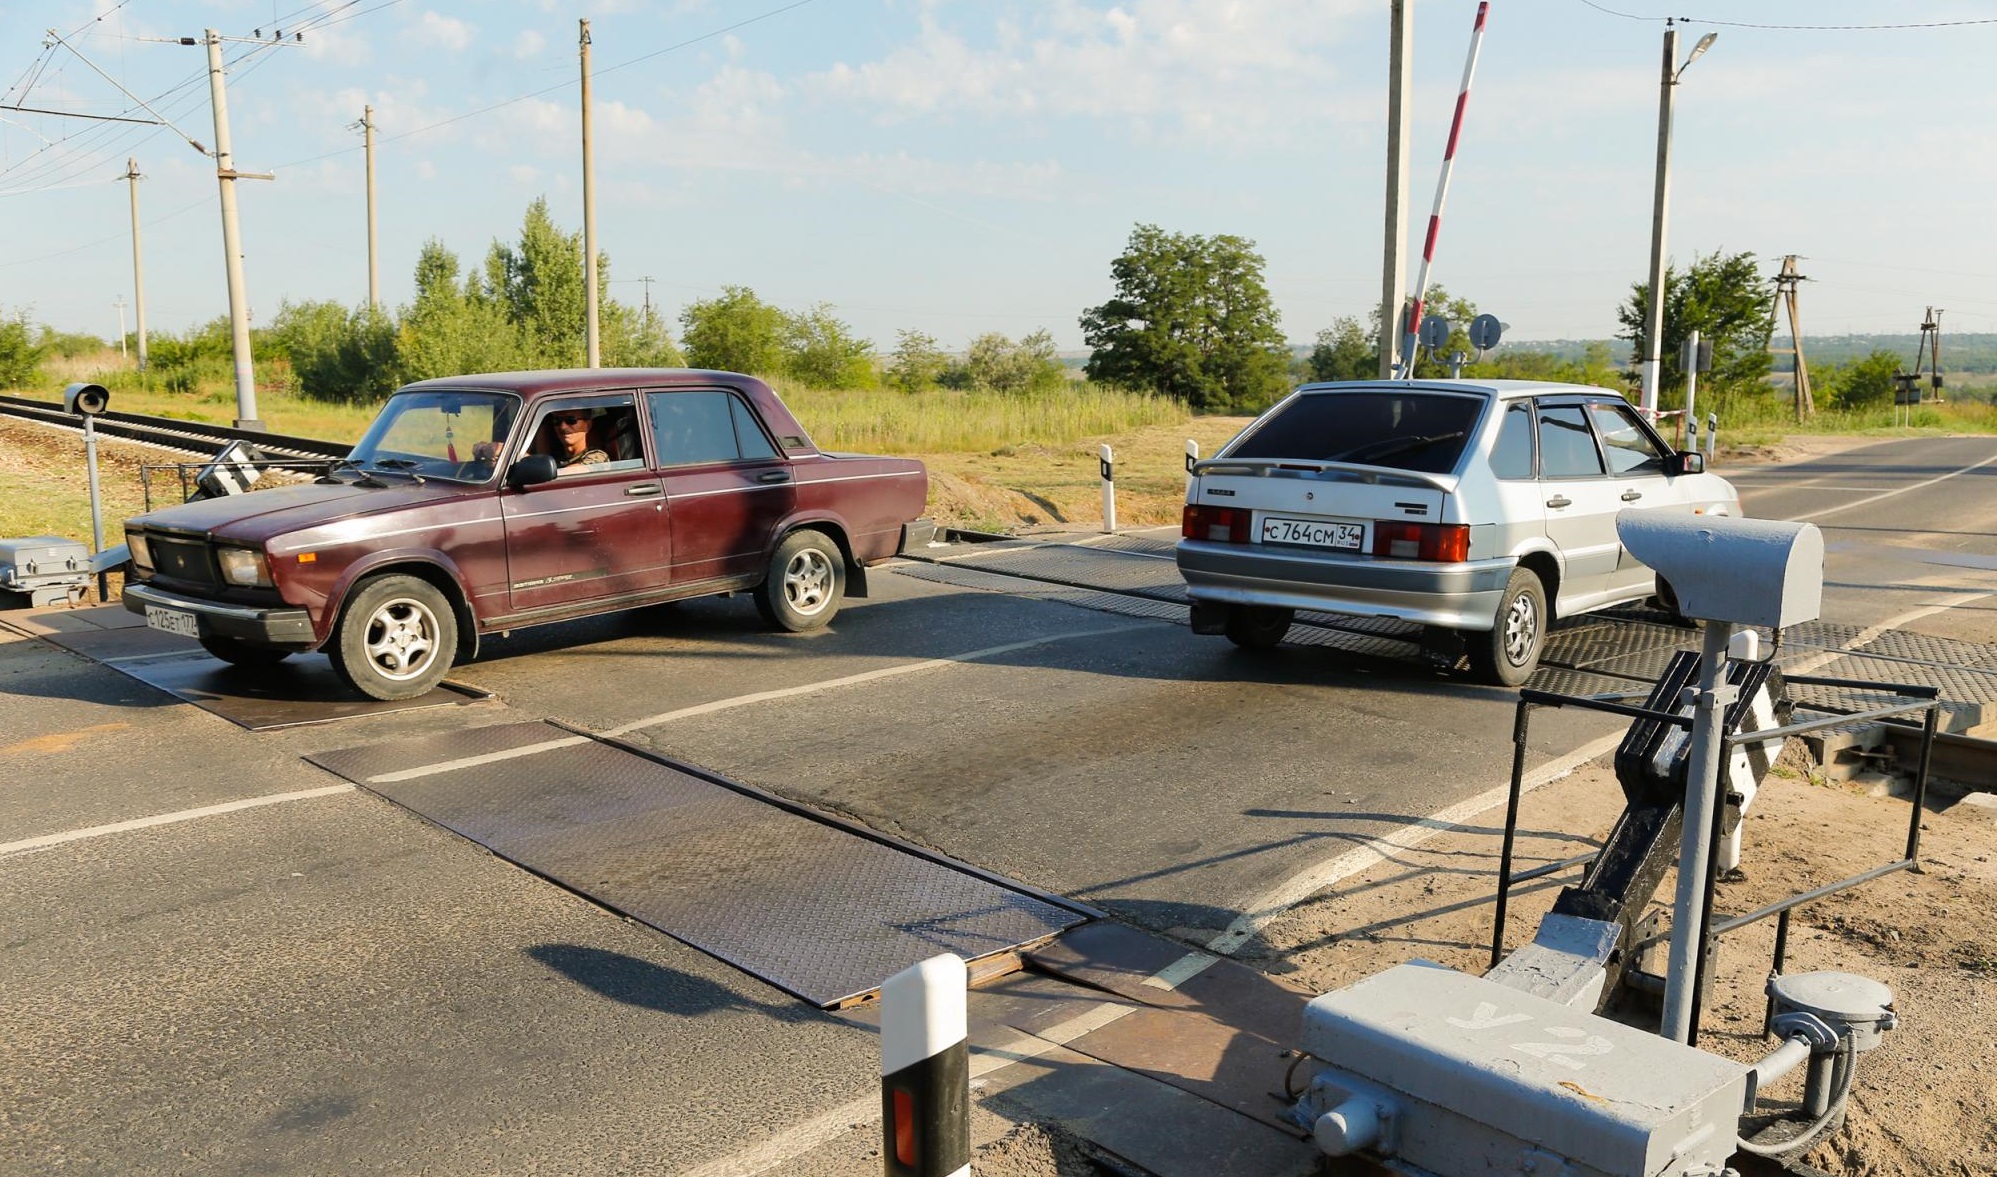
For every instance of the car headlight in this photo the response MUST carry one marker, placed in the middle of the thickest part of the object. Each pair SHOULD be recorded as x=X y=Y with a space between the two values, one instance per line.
x=244 y=566
x=142 y=556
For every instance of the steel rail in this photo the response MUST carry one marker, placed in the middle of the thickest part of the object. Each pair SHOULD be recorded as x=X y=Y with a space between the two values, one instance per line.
x=170 y=433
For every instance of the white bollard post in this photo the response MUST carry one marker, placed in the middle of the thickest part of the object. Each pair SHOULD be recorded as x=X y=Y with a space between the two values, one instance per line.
x=926 y=1070
x=1712 y=435
x=1109 y=489
x=1192 y=460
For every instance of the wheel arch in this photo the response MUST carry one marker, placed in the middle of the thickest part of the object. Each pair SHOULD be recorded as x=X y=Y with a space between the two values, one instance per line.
x=834 y=530
x=431 y=570
x=1546 y=566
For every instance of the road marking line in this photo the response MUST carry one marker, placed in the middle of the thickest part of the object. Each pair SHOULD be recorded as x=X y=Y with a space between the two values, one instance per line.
x=1180 y=971
x=410 y=774
x=47 y=840
x=1305 y=884
x=865 y=1112
x=867 y=676
x=1808 y=515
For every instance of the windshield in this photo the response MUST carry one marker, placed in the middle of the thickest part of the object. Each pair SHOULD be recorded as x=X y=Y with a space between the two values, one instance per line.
x=454 y=435
x=1402 y=430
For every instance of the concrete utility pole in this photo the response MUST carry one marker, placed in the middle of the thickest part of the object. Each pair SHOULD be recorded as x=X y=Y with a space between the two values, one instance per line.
x=138 y=262
x=1653 y=325
x=374 y=255
x=232 y=245
x=1394 y=265
x=119 y=302
x=591 y=344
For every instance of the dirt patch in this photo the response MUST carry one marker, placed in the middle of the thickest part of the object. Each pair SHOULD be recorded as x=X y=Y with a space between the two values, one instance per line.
x=1797 y=447
x=1921 y=1102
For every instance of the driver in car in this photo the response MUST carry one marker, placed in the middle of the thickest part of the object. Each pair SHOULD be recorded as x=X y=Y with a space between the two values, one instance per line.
x=566 y=438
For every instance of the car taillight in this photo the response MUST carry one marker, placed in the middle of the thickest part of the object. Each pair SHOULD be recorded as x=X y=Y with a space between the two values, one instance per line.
x=1448 y=543
x=1221 y=525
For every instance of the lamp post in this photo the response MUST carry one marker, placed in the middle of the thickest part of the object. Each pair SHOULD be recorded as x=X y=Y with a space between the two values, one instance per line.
x=1653 y=327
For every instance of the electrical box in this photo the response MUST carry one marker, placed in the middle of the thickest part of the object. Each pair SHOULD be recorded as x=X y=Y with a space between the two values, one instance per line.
x=1745 y=571
x=48 y=568
x=1460 y=1076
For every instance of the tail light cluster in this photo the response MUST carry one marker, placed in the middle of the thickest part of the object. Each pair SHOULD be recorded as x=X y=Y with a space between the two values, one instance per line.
x=1446 y=543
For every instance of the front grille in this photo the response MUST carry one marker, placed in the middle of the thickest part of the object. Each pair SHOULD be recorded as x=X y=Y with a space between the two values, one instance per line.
x=185 y=560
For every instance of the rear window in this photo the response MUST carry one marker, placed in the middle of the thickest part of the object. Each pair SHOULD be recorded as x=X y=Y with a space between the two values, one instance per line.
x=1421 y=431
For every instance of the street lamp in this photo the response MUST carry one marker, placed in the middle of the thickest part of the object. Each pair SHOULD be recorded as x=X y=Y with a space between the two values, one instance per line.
x=1653 y=328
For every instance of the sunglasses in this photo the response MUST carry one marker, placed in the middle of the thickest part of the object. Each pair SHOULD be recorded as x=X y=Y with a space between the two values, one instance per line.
x=569 y=418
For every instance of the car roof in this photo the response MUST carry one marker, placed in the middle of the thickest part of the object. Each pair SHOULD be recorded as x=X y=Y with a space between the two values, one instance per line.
x=1500 y=389
x=549 y=380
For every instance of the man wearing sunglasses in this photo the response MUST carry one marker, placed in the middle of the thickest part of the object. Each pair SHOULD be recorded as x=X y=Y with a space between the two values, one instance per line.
x=565 y=436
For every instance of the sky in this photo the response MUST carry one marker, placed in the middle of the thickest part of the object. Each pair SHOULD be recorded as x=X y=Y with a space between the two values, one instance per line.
x=957 y=167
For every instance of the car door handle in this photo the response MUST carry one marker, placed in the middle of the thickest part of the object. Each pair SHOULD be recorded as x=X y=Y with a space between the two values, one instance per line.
x=642 y=490
x=1558 y=501
x=1630 y=496
x=773 y=476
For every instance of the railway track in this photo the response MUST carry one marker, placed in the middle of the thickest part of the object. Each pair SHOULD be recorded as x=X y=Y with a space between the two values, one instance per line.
x=193 y=437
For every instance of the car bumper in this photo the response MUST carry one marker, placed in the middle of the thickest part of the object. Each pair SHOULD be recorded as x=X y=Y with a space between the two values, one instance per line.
x=273 y=627
x=1455 y=596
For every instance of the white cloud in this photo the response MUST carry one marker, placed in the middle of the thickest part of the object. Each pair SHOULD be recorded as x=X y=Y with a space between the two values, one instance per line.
x=1218 y=70
x=528 y=44
x=524 y=174
x=445 y=32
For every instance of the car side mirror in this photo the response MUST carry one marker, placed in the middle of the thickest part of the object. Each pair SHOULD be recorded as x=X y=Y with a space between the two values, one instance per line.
x=531 y=471
x=1686 y=462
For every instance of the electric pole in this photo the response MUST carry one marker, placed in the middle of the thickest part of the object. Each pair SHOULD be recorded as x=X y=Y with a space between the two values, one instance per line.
x=138 y=263
x=1930 y=349
x=119 y=302
x=1785 y=296
x=1394 y=266
x=1653 y=319
x=232 y=245
x=374 y=256
x=591 y=344
x=647 y=280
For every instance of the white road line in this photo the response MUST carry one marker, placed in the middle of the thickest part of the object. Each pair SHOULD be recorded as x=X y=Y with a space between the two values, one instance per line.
x=867 y=676
x=410 y=774
x=1808 y=515
x=164 y=819
x=1305 y=884
x=1180 y=971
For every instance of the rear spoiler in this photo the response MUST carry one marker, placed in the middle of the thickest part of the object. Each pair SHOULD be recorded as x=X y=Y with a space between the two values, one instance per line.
x=1347 y=471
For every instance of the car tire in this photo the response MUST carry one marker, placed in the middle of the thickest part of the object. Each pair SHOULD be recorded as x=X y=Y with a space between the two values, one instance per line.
x=247 y=655
x=1258 y=627
x=805 y=584
x=1509 y=653
x=1667 y=600
x=396 y=638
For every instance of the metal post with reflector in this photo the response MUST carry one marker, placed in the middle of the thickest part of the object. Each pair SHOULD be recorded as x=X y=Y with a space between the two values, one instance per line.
x=926 y=1070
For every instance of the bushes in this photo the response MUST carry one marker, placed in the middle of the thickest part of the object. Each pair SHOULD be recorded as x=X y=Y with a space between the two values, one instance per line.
x=20 y=352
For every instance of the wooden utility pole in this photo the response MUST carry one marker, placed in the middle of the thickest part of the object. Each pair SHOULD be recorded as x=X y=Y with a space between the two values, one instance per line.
x=1785 y=295
x=138 y=261
x=591 y=344
x=1930 y=349
x=1394 y=266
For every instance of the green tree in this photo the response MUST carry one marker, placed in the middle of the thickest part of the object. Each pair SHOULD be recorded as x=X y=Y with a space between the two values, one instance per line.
x=1192 y=319
x=820 y=350
x=339 y=355
x=1344 y=351
x=736 y=332
x=1864 y=384
x=918 y=362
x=20 y=352
x=541 y=285
x=994 y=363
x=1724 y=298
x=454 y=328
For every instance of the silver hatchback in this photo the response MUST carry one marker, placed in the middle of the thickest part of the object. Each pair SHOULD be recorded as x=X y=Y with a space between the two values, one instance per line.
x=1479 y=510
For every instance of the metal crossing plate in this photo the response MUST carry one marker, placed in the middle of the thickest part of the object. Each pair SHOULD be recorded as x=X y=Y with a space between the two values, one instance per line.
x=1084 y=567
x=817 y=907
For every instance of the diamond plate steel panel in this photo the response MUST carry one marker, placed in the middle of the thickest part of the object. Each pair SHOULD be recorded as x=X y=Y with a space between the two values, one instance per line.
x=1589 y=643
x=1154 y=545
x=1647 y=665
x=1386 y=627
x=1562 y=681
x=814 y=909
x=1921 y=647
x=1824 y=635
x=1352 y=643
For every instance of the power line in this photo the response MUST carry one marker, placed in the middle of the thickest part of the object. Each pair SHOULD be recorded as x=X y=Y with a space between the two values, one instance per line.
x=1742 y=24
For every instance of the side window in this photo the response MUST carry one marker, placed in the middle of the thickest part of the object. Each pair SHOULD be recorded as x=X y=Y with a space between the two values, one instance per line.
x=1566 y=447
x=589 y=435
x=1511 y=457
x=1629 y=446
x=755 y=444
x=689 y=428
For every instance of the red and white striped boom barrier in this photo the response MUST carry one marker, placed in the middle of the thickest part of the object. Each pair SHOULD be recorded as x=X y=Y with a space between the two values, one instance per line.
x=926 y=1070
x=1416 y=307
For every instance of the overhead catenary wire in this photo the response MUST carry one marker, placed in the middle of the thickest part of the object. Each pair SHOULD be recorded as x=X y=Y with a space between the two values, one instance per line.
x=1798 y=28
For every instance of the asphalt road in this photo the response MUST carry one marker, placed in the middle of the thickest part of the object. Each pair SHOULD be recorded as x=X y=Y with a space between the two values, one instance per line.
x=329 y=983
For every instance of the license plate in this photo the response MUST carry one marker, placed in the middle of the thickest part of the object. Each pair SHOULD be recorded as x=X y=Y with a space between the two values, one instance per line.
x=173 y=621
x=1314 y=533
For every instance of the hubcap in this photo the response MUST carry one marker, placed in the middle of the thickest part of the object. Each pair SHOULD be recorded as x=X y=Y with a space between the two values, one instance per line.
x=401 y=639
x=1521 y=629
x=808 y=581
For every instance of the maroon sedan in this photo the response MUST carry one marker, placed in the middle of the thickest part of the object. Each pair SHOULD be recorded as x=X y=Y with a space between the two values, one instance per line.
x=476 y=504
